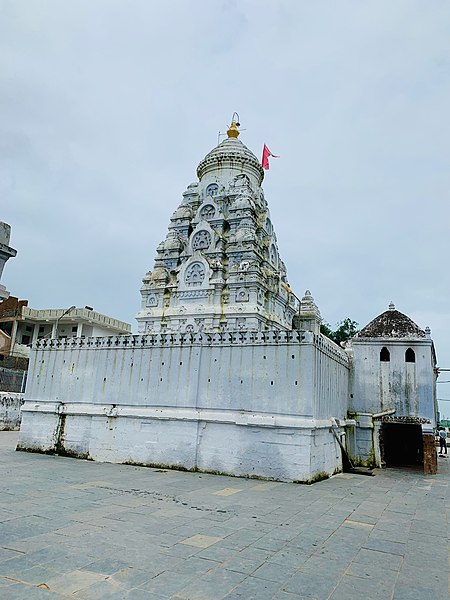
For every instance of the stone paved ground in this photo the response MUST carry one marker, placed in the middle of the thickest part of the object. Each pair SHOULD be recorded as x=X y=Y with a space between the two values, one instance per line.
x=89 y=531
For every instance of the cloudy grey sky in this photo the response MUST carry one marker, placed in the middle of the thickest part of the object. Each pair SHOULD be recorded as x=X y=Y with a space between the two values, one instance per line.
x=107 y=106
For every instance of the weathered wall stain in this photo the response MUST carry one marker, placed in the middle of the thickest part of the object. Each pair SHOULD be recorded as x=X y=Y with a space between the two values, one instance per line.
x=10 y=405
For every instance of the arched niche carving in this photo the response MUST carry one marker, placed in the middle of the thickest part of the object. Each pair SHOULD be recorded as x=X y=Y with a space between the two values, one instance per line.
x=212 y=190
x=242 y=295
x=207 y=211
x=194 y=274
x=202 y=239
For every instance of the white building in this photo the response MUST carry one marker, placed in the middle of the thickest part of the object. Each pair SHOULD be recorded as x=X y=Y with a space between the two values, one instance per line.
x=6 y=252
x=21 y=326
x=392 y=389
x=229 y=373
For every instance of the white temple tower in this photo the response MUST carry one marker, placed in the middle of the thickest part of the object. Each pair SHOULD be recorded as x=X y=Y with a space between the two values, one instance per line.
x=6 y=252
x=219 y=267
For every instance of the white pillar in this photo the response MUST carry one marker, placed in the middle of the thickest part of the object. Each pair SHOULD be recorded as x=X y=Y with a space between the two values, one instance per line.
x=35 y=333
x=13 y=336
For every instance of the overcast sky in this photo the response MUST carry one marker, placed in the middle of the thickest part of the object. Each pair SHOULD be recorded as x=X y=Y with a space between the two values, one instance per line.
x=107 y=107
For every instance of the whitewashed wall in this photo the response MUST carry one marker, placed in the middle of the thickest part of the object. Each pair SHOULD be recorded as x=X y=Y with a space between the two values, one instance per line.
x=384 y=386
x=378 y=386
x=240 y=403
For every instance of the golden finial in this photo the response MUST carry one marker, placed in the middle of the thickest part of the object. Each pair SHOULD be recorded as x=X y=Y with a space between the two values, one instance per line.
x=233 y=130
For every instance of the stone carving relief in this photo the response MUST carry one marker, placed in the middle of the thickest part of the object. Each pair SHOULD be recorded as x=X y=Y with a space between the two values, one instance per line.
x=212 y=189
x=241 y=183
x=201 y=240
x=182 y=212
x=188 y=294
x=159 y=276
x=242 y=203
x=235 y=259
x=260 y=297
x=216 y=264
x=200 y=324
x=195 y=274
x=242 y=295
x=152 y=300
x=273 y=255
x=240 y=322
x=207 y=212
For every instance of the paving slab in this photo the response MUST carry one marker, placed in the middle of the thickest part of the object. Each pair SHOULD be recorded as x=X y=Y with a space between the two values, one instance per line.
x=94 y=531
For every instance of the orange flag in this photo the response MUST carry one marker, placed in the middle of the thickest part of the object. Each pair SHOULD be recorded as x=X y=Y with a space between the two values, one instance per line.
x=265 y=157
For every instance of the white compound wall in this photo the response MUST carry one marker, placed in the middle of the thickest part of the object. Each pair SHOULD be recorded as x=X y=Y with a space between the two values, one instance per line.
x=242 y=403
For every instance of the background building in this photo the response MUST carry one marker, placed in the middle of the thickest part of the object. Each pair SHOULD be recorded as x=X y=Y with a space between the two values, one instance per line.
x=21 y=326
x=6 y=252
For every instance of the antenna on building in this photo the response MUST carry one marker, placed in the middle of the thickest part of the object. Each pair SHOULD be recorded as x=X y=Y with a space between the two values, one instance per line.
x=219 y=135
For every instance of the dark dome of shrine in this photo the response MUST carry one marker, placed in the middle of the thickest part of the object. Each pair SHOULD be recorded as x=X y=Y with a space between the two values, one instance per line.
x=392 y=324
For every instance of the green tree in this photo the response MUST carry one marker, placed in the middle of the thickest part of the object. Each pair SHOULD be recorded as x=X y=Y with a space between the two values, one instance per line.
x=344 y=330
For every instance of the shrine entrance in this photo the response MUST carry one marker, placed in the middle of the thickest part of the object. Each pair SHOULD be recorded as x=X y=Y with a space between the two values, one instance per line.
x=401 y=444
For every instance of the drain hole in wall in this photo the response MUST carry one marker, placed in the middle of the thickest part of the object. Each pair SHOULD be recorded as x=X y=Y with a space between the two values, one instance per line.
x=104 y=378
x=264 y=357
x=161 y=379
x=181 y=363
x=293 y=356
x=296 y=383
x=271 y=383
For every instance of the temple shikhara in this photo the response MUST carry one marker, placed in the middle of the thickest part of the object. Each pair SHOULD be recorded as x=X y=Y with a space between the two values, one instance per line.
x=219 y=268
x=229 y=372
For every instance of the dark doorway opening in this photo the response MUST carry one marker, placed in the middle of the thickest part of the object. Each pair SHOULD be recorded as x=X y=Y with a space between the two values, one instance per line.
x=401 y=444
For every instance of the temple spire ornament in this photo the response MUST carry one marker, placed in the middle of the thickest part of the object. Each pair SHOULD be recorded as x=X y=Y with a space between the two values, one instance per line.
x=233 y=131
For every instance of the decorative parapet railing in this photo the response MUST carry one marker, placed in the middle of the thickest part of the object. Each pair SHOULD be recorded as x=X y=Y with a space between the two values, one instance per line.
x=229 y=338
x=331 y=349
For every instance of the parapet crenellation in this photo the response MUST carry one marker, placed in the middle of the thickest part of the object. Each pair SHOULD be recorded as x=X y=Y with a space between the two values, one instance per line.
x=226 y=338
